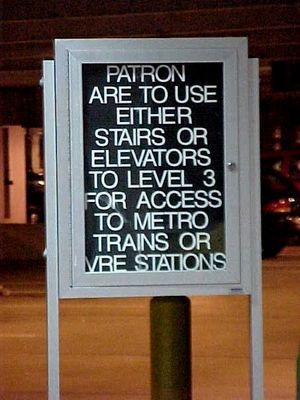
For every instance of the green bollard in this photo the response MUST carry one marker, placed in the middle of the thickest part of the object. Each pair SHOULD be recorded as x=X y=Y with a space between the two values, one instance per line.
x=170 y=348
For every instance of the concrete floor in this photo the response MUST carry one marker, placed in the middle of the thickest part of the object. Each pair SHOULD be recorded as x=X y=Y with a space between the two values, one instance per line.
x=105 y=345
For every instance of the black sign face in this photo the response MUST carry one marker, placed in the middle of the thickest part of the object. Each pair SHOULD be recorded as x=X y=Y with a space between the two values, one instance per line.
x=154 y=167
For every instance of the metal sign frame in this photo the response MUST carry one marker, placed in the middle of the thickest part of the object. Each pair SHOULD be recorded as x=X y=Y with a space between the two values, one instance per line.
x=70 y=56
x=250 y=255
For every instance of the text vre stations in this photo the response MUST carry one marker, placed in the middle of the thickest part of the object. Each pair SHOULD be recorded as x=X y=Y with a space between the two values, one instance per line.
x=153 y=158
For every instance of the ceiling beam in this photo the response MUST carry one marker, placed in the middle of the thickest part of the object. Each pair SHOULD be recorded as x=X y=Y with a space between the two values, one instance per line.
x=259 y=36
x=158 y=24
x=39 y=9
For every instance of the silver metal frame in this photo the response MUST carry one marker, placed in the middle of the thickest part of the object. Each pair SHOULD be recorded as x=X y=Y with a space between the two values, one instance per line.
x=70 y=55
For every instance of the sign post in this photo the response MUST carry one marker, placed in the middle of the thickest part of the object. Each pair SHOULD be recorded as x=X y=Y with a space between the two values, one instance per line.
x=48 y=83
x=154 y=150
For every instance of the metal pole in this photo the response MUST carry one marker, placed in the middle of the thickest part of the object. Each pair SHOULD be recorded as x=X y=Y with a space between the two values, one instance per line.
x=256 y=319
x=51 y=231
x=170 y=348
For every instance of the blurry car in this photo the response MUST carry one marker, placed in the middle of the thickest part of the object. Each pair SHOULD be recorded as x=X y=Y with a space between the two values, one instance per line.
x=280 y=199
x=35 y=197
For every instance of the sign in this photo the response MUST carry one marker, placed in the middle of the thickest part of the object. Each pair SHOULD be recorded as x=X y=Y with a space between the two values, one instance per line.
x=153 y=167
x=153 y=151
